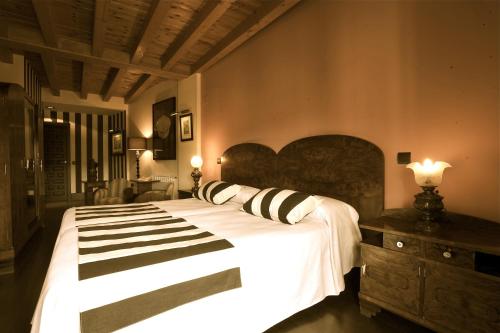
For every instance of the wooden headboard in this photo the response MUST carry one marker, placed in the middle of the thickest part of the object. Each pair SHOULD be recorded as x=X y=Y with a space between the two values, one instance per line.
x=338 y=166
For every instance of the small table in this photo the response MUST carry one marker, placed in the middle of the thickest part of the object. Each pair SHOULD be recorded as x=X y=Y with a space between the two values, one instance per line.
x=143 y=185
x=185 y=194
x=89 y=190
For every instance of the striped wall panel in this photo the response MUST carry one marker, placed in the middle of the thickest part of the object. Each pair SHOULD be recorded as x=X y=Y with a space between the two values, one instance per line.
x=117 y=163
x=90 y=138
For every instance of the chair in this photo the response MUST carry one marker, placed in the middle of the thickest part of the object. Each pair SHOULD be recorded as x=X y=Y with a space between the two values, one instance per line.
x=118 y=191
x=161 y=191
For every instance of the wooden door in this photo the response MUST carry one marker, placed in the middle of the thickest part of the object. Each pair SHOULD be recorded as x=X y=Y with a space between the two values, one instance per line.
x=391 y=277
x=6 y=248
x=56 y=153
x=461 y=300
x=39 y=161
x=27 y=199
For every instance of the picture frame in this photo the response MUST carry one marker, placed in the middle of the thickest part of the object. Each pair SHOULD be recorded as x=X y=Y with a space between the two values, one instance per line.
x=117 y=143
x=186 y=127
x=165 y=129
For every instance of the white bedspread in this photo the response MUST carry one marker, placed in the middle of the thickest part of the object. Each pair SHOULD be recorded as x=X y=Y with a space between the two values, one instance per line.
x=284 y=269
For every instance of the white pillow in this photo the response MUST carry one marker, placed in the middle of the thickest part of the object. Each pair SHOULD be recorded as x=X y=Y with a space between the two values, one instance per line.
x=216 y=192
x=245 y=194
x=280 y=205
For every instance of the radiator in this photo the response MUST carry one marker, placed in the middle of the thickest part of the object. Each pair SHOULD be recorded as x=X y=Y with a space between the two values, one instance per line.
x=169 y=179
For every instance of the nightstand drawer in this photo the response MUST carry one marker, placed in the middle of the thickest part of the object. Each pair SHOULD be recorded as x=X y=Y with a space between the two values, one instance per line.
x=185 y=194
x=402 y=244
x=449 y=255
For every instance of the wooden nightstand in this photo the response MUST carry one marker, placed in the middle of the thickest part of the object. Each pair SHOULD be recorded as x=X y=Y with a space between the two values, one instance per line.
x=185 y=194
x=448 y=280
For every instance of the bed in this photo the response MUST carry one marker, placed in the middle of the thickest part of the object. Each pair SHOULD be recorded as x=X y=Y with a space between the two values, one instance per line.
x=261 y=271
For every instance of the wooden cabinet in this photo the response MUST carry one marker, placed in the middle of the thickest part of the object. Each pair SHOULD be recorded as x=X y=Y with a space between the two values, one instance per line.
x=391 y=277
x=463 y=300
x=448 y=280
x=19 y=163
x=185 y=194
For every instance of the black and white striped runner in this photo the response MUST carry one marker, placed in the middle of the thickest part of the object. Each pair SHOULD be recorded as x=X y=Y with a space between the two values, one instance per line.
x=101 y=214
x=111 y=249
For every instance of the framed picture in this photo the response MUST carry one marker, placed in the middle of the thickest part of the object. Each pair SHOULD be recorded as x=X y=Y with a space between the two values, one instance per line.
x=186 y=123
x=117 y=143
x=164 y=130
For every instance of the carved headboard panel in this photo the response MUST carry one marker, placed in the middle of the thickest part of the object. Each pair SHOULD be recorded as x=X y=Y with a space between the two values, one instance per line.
x=338 y=166
x=249 y=164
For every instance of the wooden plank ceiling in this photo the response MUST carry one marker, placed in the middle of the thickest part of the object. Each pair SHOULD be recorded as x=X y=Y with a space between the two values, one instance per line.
x=122 y=47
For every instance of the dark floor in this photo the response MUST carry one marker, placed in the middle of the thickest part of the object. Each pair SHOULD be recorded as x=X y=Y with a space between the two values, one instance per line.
x=19 y=291
x=19 y=294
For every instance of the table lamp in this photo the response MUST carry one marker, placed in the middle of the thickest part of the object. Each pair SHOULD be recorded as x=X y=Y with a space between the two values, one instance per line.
x=138 y=144
x=196 y=163
x=428 y=176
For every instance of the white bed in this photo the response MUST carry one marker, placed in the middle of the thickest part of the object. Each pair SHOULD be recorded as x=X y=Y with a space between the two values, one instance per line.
x=284 y=269
x=281 y=269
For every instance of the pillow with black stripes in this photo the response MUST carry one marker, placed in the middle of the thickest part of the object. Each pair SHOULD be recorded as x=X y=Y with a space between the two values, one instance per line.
x=280 y=205
x=217 y=192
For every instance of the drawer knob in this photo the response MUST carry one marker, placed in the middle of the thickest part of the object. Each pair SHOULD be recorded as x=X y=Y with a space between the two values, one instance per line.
x=447 y=254
x=400 y=244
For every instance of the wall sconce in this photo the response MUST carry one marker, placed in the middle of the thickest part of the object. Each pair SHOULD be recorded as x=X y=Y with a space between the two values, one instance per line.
x=196 y=163
x=149 y=144
x=137 y=144
x=428 y=176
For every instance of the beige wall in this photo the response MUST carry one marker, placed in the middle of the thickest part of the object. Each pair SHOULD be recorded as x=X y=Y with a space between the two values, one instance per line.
x=13 y=73
x=189 y=99
x=408 y=76
x=188 y=93
x=140 y=123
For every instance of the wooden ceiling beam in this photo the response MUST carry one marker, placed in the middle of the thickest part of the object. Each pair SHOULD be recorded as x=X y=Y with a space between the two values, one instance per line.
x=112 y=59
x=157 y=13
x=99 y=31
x=46 y=21
x=138 y=87
x=85 y=84
x=113 y=83
x=207 y=16
x=262 y=17
x=49 y=66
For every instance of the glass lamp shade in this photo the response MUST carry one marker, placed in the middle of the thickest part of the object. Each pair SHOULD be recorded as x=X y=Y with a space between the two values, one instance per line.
x=196 y=162
x=428 y=174
x=137 y=144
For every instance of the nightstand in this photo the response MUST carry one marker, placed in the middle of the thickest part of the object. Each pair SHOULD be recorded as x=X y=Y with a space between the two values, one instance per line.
x=448 y=280
x=185 y=194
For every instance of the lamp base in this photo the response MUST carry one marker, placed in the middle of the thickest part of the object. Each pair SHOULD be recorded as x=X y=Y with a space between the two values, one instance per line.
x=196 y=174
x=430 y=205
x=137 y=156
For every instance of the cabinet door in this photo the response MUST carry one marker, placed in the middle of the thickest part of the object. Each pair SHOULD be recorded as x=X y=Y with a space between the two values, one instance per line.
x=5 y=199
x=29 y=195
x=391 y=277
x=462 y=300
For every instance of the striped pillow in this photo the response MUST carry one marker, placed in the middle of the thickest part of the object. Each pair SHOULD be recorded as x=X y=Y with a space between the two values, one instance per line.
x=217 y=192
x=280 y=205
